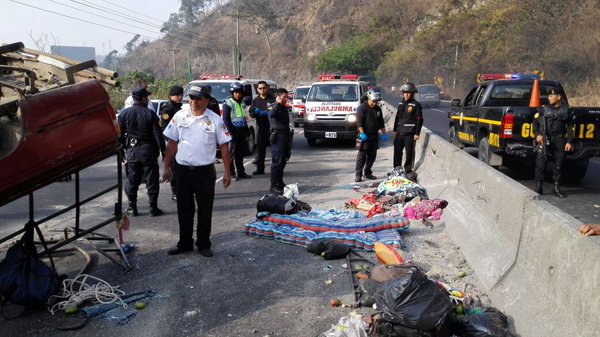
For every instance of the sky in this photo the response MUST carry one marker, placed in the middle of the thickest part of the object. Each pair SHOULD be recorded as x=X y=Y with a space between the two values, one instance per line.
x=110 y=23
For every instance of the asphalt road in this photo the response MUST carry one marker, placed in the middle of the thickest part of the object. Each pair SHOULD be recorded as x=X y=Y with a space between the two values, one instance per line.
x=251 y=287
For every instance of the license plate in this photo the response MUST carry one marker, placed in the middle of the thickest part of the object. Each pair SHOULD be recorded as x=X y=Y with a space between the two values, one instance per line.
x=330 y=134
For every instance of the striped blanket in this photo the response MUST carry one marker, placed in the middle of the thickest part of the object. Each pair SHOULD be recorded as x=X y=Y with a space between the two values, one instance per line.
x=349 y=227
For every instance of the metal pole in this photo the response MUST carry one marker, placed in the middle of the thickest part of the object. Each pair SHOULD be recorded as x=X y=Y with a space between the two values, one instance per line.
x=237 y=43
x=455 y=66
x=174 y=72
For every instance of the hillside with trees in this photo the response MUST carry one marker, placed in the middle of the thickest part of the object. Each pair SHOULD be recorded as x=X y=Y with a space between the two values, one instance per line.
x=453 y=40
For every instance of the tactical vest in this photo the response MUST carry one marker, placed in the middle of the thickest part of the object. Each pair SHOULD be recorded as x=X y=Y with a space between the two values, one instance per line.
x=237 y=113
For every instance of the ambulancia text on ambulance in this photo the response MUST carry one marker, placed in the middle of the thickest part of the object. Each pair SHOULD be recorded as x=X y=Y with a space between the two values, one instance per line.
x=331 y=107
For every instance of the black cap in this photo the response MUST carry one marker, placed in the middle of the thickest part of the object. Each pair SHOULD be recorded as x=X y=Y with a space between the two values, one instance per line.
x=175 y=90
x=554 y=91
x=138 y=93
x=198 y=91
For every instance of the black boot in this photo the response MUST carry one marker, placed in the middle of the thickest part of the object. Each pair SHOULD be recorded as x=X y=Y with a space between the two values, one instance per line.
x=539 y=187
x=154 y=210
x=557 y=192
x=132 y=209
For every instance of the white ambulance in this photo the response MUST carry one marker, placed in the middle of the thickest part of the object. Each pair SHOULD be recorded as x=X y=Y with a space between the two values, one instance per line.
x=331 y=108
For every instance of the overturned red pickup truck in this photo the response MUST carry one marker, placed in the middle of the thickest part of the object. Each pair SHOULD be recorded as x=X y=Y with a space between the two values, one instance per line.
x=55 y=119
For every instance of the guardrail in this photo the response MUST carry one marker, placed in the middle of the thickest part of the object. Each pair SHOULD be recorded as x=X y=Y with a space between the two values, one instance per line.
x=527 y=253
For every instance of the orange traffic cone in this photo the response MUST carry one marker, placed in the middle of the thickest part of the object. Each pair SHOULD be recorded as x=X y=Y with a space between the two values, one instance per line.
x=534 y=101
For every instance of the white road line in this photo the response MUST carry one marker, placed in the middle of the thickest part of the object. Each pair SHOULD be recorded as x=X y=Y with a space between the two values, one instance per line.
x=221 y=177
x=438 y=110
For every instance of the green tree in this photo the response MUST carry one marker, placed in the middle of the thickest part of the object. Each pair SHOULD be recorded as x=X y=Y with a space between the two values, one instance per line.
x=356 y=55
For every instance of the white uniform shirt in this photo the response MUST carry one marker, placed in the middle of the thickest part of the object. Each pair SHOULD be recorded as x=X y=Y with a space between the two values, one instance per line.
x=129 y=103
x=197 y=137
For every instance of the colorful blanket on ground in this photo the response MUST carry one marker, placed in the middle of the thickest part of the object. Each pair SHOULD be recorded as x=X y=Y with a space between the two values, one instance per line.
x=399 y=185
x=349 y=227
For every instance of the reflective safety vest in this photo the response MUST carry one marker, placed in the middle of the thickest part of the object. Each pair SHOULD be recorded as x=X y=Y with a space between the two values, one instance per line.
x=237 y=113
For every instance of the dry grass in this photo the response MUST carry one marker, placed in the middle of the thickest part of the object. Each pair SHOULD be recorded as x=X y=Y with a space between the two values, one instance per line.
x=587 y=93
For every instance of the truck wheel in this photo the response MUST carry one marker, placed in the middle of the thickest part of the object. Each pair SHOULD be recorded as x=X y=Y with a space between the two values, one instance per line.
x=486 y=155
x=453 y=137
x=574 y=170
x=251 y=141
x=311 y=141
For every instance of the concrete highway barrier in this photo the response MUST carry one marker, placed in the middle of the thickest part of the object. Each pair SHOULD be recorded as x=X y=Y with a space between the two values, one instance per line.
x=527 y=253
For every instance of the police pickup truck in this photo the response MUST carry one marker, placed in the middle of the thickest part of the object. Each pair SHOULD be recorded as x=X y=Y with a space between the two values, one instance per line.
x=495 y=117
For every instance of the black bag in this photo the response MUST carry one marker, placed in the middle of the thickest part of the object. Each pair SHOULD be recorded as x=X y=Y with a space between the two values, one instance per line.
x=276 y=204
x=482 y=322
x=414 y=301
x=388 y=329
x=329 y=249
x=24 y=278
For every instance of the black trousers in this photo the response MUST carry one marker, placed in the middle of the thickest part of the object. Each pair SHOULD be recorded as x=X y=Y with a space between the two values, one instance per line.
x=262 y=143
x=238 y=147
x=554 y=151
x=366 y=156
x=401 y=143
x=279 y=154
x=173 y=180
x=195 y=188
x=142 y=165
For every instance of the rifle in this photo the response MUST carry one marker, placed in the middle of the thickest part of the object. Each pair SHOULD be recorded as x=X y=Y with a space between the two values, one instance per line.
x=542 y=148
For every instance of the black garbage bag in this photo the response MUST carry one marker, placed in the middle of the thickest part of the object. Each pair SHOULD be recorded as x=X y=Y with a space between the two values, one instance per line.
x=389 y=329
x=24 y=278
x=367 y=289
x=329 y=249
x=414 y=301
x=482 y=322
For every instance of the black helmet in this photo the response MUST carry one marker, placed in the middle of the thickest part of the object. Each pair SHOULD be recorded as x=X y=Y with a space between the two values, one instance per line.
x=408 y=87
x=235 y=86
x=374 y=95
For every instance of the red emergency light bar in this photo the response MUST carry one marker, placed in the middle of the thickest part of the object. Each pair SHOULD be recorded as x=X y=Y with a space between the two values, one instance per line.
x=347 y=77
x=329 y=77
x=516 y=76
x=350 y=77
x=221 y=77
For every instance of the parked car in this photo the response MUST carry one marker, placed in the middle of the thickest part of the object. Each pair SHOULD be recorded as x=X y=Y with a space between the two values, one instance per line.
x=298 y=106
x=428 y=95
x=157 y=105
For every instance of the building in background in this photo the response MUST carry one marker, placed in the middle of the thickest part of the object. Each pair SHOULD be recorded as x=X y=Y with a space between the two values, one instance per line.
x=80 y=54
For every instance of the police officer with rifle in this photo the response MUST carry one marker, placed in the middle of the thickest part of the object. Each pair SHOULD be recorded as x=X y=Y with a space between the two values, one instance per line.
x=550 y=127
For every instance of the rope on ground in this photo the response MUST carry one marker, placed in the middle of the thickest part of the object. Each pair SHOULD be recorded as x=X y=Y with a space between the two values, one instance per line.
x=82 y=288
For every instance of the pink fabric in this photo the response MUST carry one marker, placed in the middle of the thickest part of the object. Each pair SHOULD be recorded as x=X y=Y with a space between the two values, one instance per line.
x=426 y=209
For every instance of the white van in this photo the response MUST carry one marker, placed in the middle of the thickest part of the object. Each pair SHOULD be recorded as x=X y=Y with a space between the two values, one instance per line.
x=220 y=91
x=331 y=107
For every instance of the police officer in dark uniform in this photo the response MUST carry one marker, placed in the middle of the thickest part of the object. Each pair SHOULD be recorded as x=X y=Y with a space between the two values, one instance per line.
x=213 y=104
x=279 y=120
x=550 y=127
x=407 y=126
x=235 y=119
x=259 y=110
x=369 y=118
x=167 y=111
x=142 y=137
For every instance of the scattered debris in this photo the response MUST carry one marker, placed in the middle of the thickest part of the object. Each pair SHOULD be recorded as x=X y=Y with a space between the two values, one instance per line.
x=190 y=313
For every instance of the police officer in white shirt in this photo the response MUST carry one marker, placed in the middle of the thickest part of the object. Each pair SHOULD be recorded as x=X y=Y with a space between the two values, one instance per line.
x=194 y=134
